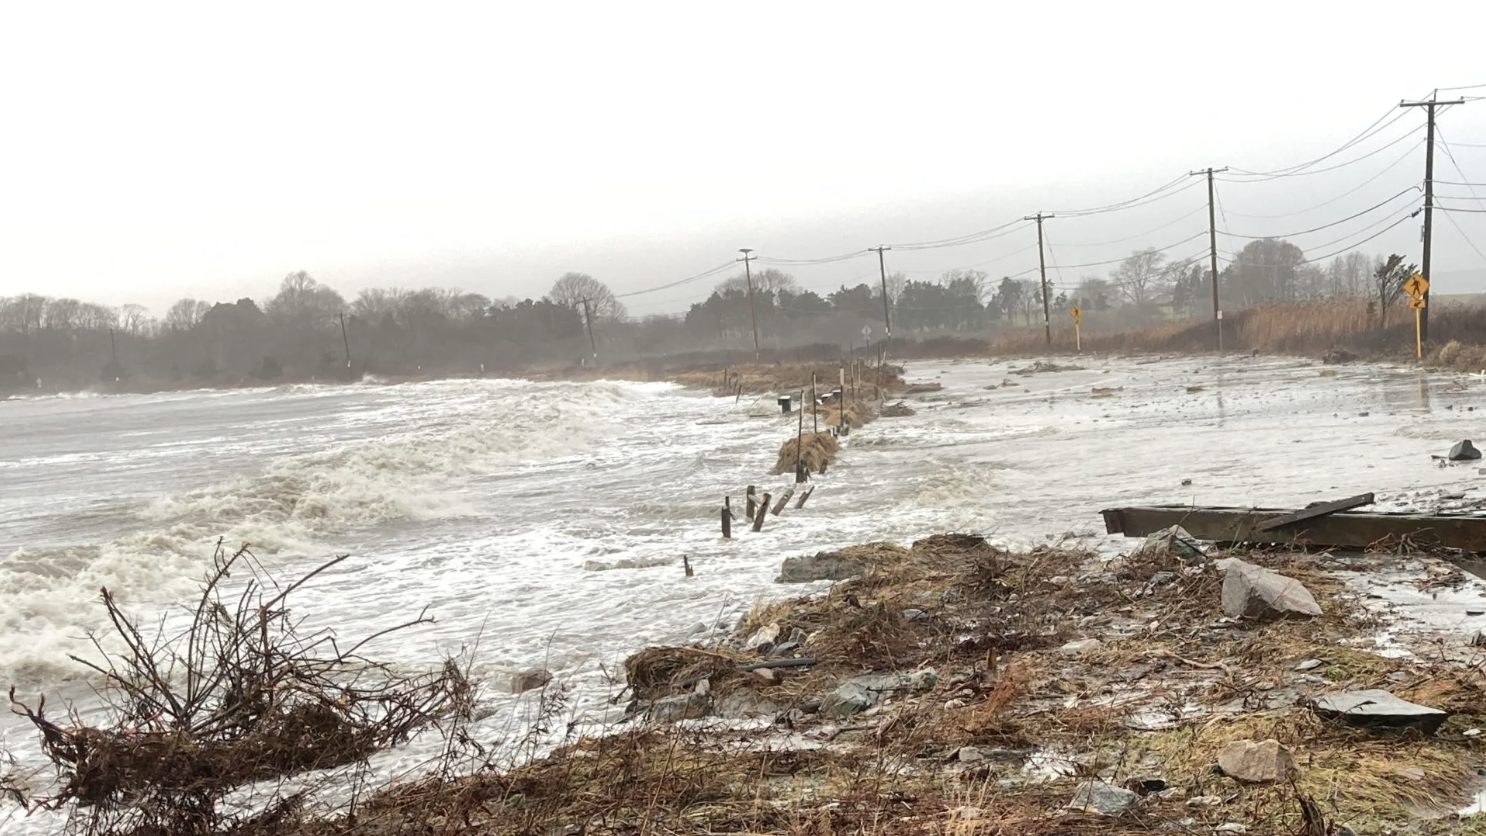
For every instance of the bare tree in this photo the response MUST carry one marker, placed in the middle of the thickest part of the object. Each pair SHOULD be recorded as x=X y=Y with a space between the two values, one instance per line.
x=1388 y=277
x=1139 y=278
x=770 y=280
x=304 y=302
x=185 y=314
x=571 y=289
x=135 y=319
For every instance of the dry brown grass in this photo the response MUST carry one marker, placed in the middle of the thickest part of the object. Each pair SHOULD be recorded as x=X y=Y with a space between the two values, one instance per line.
x=814 y=450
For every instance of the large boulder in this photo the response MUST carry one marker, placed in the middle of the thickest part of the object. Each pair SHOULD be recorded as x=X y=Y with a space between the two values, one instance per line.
x=1464 y=451
x=838 y=565
x=1375 y=707
x=1257 y=763
x=1254 y=592
x=857 y=695
x=1170 y=542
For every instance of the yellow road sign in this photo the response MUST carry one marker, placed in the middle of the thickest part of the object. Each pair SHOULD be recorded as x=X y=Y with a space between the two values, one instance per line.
x=1416 y=286
x=1078 y=314
x=1417 y=303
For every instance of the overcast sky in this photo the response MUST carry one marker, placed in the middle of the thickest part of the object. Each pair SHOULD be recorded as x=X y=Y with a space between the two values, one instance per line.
x=152 y=151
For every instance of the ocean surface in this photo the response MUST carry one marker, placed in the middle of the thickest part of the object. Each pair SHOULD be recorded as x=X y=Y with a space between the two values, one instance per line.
x=500 y=505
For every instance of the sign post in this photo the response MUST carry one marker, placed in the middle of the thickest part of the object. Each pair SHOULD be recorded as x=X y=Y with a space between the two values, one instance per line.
x=1078 y=318
x=1416 y=286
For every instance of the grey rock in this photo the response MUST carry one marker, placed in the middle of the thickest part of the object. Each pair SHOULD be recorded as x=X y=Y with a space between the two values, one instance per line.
x=745 y=703
x=681 y=707
x=1464 y=451
x=1257 y=763
x=1309 y=665
x=820 y=567
x=849 y=698
x=1161 y=579
x=784 y=648
x=1174 y=542
x=1104 y=799
x=969 y=754
x=530 y=680
x=915 y=614
x=1231 y=827
x=1375 y=707
x=798 y=635
x=1204 y=801
x=762 y=637
x=1257 y=593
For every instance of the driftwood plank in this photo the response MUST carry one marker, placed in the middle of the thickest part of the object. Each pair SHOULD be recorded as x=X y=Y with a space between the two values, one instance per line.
x=1320 y=509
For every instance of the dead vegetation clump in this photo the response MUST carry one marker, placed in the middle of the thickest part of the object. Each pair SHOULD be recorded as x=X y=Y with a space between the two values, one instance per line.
x=854 y=414
x=786 y=378
x=898 y=410
x=923 y=388
x=1460 y=357
x=239 y=697
x=814 y=450
x=1044 y=366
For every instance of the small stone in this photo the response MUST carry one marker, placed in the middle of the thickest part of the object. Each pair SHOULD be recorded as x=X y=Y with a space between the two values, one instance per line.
x=1471 y=733
x=1099 y=797
x=681 y=707
x=768 y=676
x=530 y=680
x=849 y=698
x=1257 y=763
x=698 y=627
x=703 y=687
x=967 y=813
x=1162 y=579
x=915 y=614
x=1204 y=801
x=969 y=754
x=1233 y=826
x=1081 y=647
x=1309 y=665
x=784 y=649
x=762 y=637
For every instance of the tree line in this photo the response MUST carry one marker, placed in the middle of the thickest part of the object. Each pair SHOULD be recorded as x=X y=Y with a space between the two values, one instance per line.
x=308 y=330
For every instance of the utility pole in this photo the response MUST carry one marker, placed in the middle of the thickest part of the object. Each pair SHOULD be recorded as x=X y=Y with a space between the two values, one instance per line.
x=345 y=340
x=588 y=320
x=752 y=312
x=1212 y=238
x=1428 y=199
x=1047 y=318
x=887 y=322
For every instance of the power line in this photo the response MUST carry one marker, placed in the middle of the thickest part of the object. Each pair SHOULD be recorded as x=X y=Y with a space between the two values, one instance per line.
x=1445 y=146
x=1012 y=254
x=1367 y=133
x=1345 y=194
x=1325 y=226
x=1256 y=177
x=1134 y=203
x=698 y=277
x=1142 y=234
x=1347 y=249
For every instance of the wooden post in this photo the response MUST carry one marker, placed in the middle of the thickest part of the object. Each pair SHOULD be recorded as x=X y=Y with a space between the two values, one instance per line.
x=823 y=464
x=804 y=496
x=800 y=444
x=763 y=510
x=783 y=501
x=686 y=563
x=814 y=404
x=752 y=501
x=727 y=518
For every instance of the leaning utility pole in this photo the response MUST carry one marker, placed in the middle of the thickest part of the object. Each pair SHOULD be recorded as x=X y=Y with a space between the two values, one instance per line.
x=345 y=340
x=1047 y=318
x=1212 y=238
x=752 y=312
x=588 y=321
x=1428 y=200
x=882 y=266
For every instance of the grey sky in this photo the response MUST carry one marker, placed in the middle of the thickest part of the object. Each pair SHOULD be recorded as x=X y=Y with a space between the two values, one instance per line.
x=156 y=150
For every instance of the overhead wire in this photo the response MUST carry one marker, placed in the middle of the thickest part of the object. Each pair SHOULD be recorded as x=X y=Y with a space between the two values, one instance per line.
x=1345 y=194
x=1350 y=247
x=698 y=277
x=1366 y=211
x=1445 y=146
x=1256 y=177
x=1368 y=132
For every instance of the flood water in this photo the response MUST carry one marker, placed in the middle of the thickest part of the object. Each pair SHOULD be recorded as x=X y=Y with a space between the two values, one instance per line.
x=483 y=499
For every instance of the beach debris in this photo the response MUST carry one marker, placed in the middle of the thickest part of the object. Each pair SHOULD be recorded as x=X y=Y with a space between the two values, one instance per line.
x=746 y=702
x=1336 y=356
x=530 y=680
x=1044 y=366
x=839 y=565
x=691 y=706
x=1103 y=799
x=1231 y=827
x=898 y=410
x=1261 y=594
x=849 y=698
x=1463 y=451
x=817 y=451
x=922 y=388
x=1081 y=647
x=1257 y=763
x=861 y=693
x=1170 y=542
x=1375 y=707
x=1314 y=510
x=1309 y=665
